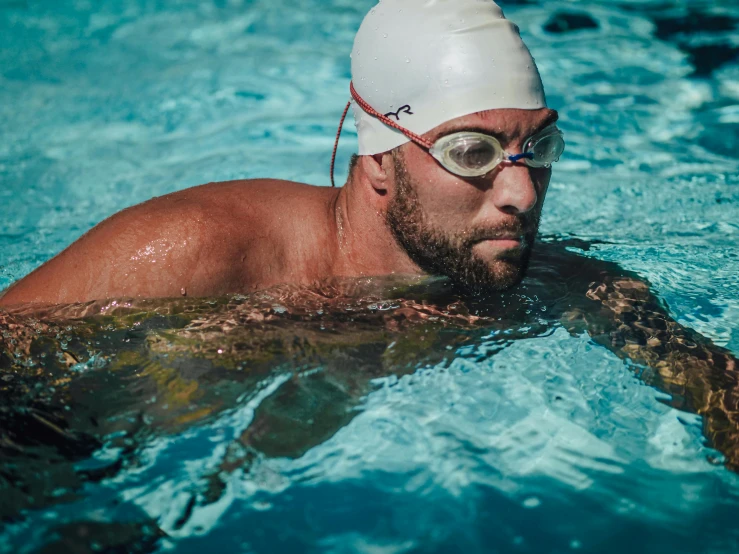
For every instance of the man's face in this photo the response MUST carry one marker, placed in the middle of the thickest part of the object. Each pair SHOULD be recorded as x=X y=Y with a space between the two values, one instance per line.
x=477 y=231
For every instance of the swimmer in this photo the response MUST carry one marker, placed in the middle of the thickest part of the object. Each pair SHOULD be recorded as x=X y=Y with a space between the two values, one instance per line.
x=456 y=145
x=456 y=148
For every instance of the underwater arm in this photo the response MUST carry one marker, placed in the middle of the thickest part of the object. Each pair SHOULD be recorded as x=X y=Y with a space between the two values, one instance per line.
x=701 y=377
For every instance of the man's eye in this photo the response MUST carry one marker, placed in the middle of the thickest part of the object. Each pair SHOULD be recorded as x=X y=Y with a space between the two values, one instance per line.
x=548 y=149
x=544 y=134
x=475 y=156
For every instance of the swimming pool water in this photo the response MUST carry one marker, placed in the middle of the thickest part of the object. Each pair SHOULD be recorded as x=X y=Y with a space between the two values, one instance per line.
x=541 y=443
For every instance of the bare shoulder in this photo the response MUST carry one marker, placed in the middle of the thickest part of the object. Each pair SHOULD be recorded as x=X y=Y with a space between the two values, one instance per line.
x=232 y=215
x=249 y=196
x=187 y=242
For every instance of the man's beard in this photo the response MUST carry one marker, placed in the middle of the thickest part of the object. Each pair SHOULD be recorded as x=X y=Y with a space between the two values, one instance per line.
x=450 y=254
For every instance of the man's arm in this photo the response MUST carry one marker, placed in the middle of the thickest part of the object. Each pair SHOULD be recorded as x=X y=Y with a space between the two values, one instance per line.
x=162 y=248
x=701 y=377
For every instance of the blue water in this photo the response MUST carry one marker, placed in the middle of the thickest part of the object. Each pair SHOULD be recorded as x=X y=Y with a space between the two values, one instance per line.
x=551 y=444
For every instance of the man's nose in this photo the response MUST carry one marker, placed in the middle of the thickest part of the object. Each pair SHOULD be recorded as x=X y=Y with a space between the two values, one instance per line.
x=514 y=191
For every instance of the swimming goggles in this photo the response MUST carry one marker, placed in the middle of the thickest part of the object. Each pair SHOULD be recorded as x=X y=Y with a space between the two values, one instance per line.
x=470 y=154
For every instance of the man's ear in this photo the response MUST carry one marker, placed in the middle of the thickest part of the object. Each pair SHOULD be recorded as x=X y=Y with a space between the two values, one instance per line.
x=375 y=168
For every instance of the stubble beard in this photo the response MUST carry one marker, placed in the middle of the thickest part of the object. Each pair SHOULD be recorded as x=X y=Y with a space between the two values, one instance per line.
x=451 y=254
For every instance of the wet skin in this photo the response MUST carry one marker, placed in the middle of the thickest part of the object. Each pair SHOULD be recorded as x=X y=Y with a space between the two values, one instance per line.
x=242 y=236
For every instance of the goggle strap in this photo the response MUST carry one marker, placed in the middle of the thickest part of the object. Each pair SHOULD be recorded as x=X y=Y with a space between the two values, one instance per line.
x=374 y=113
x=336 y=144
x=428 y=145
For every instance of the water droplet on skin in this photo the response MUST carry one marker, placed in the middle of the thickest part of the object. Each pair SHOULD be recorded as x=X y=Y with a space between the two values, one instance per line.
x=384 y=36
x=407 y=60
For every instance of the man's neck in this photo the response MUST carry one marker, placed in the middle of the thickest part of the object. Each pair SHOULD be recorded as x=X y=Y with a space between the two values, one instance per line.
x=364 y=244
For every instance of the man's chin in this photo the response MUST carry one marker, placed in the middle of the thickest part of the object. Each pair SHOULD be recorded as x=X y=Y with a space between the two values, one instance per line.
x=498 y=276
x=508 y=273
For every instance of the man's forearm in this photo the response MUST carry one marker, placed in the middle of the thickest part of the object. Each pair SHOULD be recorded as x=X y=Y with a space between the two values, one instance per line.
x=701 y=377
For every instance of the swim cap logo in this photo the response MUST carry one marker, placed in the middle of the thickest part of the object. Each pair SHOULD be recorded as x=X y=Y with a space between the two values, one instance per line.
x=403 y=109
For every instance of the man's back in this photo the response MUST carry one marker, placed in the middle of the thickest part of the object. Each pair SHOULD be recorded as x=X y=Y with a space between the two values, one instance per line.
x=203 y=241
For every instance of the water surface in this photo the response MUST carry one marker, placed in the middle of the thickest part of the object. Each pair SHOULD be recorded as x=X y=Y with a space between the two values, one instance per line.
x=369 y=417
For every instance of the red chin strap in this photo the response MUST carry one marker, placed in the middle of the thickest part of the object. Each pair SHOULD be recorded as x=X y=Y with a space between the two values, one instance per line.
x=374 y=113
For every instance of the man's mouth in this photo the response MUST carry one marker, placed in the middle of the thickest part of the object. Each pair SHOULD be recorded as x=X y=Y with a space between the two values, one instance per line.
x=518 y=236
x=504 y=242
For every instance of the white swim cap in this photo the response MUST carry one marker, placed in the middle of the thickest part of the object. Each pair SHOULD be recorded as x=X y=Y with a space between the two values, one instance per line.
x=430 y=61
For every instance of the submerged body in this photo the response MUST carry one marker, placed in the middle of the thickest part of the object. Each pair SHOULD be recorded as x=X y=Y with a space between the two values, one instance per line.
x=140 y=370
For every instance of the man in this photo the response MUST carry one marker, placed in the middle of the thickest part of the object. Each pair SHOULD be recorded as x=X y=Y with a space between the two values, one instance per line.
x=456 y=144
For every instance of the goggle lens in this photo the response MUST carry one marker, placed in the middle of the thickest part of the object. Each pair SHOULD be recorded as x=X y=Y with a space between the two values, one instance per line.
x=468 y=154
x=474 y=155
x=547 y=148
